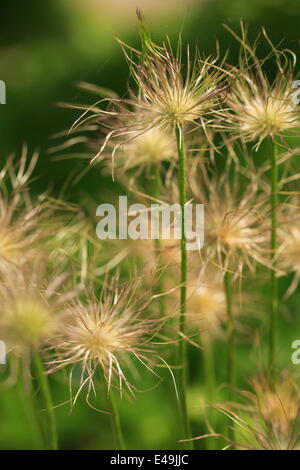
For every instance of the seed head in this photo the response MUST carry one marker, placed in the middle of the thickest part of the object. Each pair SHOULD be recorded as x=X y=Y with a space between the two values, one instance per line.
x=257 y=107
x=143 y=153
x=288 y=250
x=272 y=419
x=236 y=227
x=267 y=417
x=30 y=307
x=206 y=303
x=278 y=404
x=105 y=333
x=22 y=220
x=166 y=95
x=171 y=97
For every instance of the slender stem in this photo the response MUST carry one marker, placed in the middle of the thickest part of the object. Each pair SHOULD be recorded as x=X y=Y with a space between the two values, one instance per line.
x=30 y=409
x=47 y=398
x=116 y=423
x=274 y=286
x=160 y=282
x=209 y=367
x=209 y=381
x=230 y=341
x=157 y=246
x=182 y=349
x=230 y=334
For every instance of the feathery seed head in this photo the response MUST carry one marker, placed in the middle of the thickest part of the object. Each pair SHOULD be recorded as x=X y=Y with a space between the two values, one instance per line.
x=165 y=96
x=258 y=108
x=29 y=310
x=278 y=404
x=236 y=227
x=105 y=334
x=259 y=111
x=143 y=152
x=288 y=249
x=206 y=302
x=267 y=418
x=22 y=220
x=21 y=231
x=27 y=320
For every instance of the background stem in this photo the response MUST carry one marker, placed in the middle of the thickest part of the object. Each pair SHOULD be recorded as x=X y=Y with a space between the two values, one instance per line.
x=157 y=246
x=46 y=394
x=182 y=348
x=230 y=342
x=30 y=409
x=274 y=285
x=209 y=366
x=209 y=381
x=115 y=420
x=230 y=333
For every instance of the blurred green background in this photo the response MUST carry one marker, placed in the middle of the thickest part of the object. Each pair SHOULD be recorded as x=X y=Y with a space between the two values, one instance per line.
x=45 y=48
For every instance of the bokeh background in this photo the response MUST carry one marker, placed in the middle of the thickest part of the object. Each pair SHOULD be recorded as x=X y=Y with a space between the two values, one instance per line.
x=45 y=48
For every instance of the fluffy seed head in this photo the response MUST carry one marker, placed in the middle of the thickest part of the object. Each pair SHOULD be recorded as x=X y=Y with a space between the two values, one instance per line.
x=257 y=107
x=20 y=233
x=206 y=304
x=236 y=229
x=29 y=308
x=267 y=417
x=165 y=96
x=105 y=333
x=273 y=420
x=22 y=220
x=288 y=250
x=28 y=319
x=142 y=152
x=279 y=405
x=169 y=97
x=257 y=112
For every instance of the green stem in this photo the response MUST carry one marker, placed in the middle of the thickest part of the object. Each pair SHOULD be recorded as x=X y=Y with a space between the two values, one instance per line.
x=230 y=342
x=230 y=334
x=209 y=381
x=182 y=349
x=274 y=286
x=30 y=409
x=47 y=398
x=116 y=423
x=160 y=282
x=157 y=246
x=209 y=367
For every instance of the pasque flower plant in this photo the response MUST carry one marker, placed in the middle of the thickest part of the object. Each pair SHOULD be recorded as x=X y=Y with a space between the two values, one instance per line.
x=170 y=98
x=95 y=314
x=262 y=110
x=104 y=335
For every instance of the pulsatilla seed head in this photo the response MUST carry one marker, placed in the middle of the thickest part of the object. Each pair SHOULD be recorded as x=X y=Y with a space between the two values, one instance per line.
x=105 y=333
x=267 y=417
x=236 y=223
x=31 y=308
x=166 y=95
x=257 y=107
